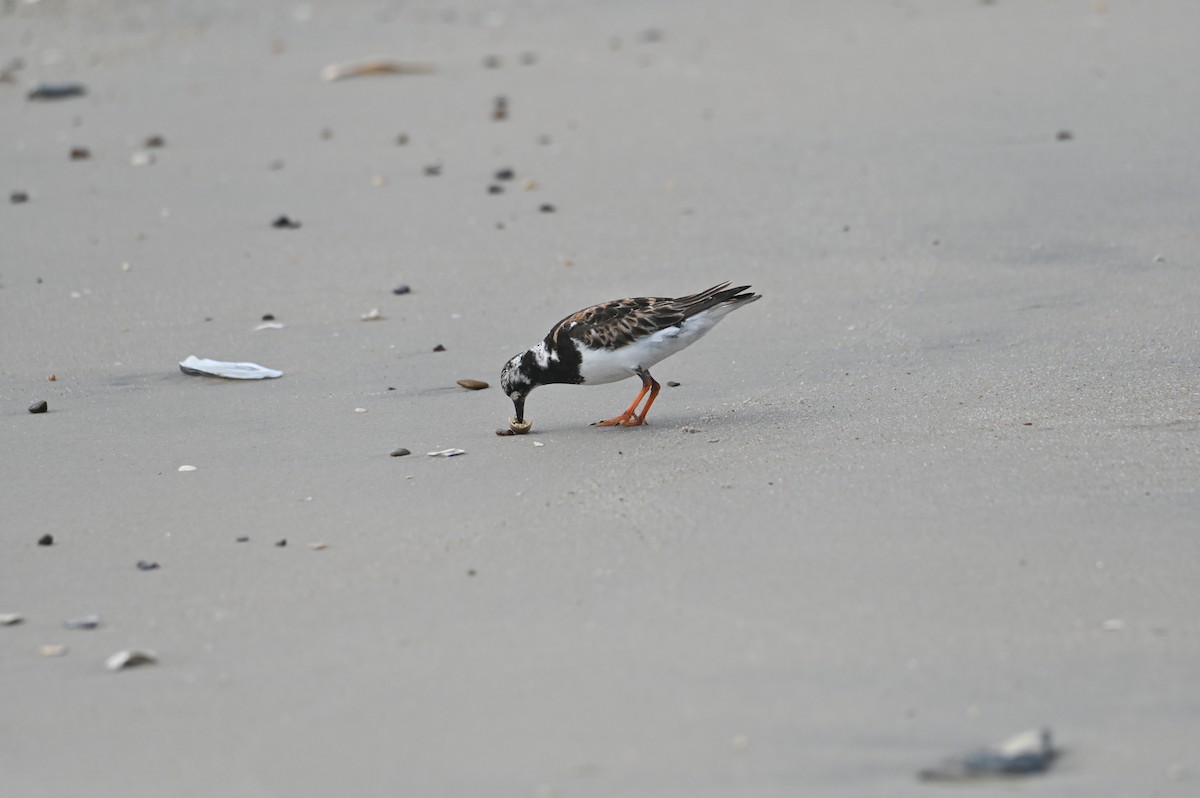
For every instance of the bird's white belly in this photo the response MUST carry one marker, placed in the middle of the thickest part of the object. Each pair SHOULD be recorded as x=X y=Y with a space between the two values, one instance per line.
x=610 y=365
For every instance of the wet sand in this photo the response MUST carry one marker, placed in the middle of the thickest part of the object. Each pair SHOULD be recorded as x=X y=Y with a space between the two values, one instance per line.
x=940 y=485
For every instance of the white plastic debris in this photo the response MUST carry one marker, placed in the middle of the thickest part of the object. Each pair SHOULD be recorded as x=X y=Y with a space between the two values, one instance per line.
x=447 y=453
x=204 y=367
x=1024 y=754
x=185 y=468
x=129 y=658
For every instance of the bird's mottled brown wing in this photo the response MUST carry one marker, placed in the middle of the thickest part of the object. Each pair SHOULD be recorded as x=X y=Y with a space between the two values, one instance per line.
x=615 y=324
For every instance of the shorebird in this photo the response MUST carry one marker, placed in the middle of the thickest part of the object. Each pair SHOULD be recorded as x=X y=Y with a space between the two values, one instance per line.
x=616 y=340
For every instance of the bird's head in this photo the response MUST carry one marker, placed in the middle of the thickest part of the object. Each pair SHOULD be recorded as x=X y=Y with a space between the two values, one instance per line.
x=516 y=382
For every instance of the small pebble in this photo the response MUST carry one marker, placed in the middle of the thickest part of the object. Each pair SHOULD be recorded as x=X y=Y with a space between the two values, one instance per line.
x=672 y=384
x=1064 y=135
x=17 y=197
x=1160 y=259
x=504 y=433
x=538 y=443
x=500 y=109
x=146 y=565
x=185 y=468
x=129 y=659
x=268 y=317
x=401 y=139
x=433 y=170
x=505 y=174
x=10 y=619
x=495 y=189
x=83 y=622
x=379 y=181
x=242 y=539
x=284 y=223
x=326 y=133
x=52 y=651
x=52 y=378
x=402 y=289
x=372 y=315
x=46 y=540
x=281 y=543
x=39 y=407
x=142 y=158
x=473 y=385
x=275 y=165
x=360 y=410
x=401 y=452
x=56 y=91
x=528 y=59
x=492 y=62
x=439 y=348
x=80 y=153
x=547 y=208
x=154 y=142
x=126 y=266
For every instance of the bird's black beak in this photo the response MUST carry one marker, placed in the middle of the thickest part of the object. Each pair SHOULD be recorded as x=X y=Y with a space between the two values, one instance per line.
x=519 y=407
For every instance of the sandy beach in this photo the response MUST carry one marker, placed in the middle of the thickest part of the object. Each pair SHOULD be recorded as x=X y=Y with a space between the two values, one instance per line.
x=939 y=486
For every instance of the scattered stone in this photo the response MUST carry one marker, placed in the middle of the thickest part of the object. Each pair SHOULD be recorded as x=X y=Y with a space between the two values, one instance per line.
x=326 y=133
x=82 y=622
x=46 y=540
x=52 y=378
x=692 y=430
x=186 y=468
x=504 y=433
x=652 y=35
x=401 y=452
x=473 y=385
x=402 y=289
x=379 y=181
x=547 y=208
x=447 y=453
x=500 y=109
x=80 y=153
x=495 y=189
x=52 y=651
x=10 y=619
x=275 y=165
x=528 y=59
x=1025 y=754
x=439 y=348
x=242 y=539
x=505 y=174
x=147 y=565
x=1160 y=258
x=492 y=62
x=1064 y=135
x=318 y=546
x=268 y=317
x=18 y=197
x=281 y=543
x=142 y=158
x=39 y=407
x=56 y=91
x=126 y=266
x=154 y=142
x=129 y=658
x=672 y=384
x=433 y=169
x=401 y=139
x=360 y=410
x=284 y=223
x=372 y=315
x=538 y=443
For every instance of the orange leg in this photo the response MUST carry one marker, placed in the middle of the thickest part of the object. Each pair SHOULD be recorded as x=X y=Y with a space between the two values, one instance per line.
x=630 y=417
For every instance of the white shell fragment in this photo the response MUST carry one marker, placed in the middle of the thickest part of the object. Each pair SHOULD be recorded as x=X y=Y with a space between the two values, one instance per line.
x=447 y=453
x=270 y=325
x=203 y=367
x=377 y=65
x=1024 y=754
x=129 y=658
x=142 y=158
x=372 y=315
x=10 y=619
x=184 y=468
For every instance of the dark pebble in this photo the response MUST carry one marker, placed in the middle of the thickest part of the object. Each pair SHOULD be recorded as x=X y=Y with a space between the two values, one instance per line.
x=672 y=384
x=390 y=388
x=281 y=543
x=439 y=348
x=268 y=317
x=154 y=142
x=651 y=35
x=500 y=109
x=17 y=197
x=1065 y=135
x=505 y=432
x=243 y=539
x=433 y=170
x=492 y=62
x=326 y=133
x=547 y=208
x=495 y=189
x=472 y=385
x=284 y=223
x=57 y=91
x=39 y=407
x=401 y=289
x=401 y=452
x=146 y=565
x=275 y=165
x=80 y=153
x=401 y=140
x=505 y=174
x=46 y=540
x=470 y=572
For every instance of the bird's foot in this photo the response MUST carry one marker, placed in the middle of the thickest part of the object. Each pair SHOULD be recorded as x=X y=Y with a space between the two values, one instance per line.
x=623 y=420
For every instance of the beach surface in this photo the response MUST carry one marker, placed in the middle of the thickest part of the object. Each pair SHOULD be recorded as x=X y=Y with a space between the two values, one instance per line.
x=940 y=485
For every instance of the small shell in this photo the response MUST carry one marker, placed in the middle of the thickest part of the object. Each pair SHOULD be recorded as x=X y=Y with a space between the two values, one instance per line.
x=372 y=315
x=186 y=468
x=519 y=427
x=10 y=618
x=129 y=658
x=447 y=453
x=473 y=385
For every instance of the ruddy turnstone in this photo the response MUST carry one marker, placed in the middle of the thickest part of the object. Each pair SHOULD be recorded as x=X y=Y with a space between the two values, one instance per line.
x=615 y=340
